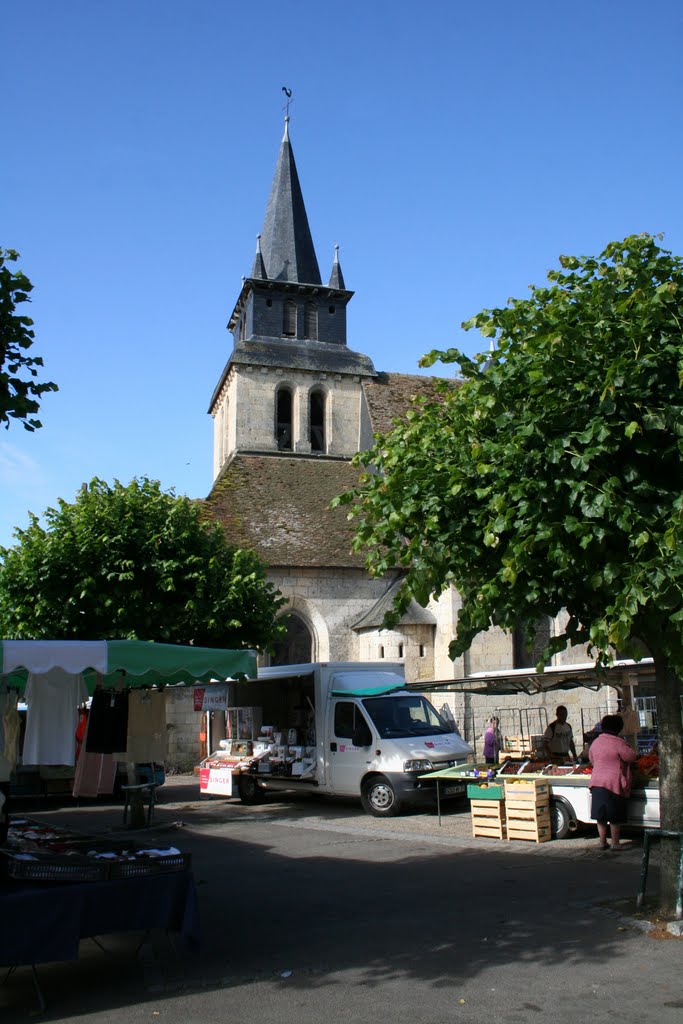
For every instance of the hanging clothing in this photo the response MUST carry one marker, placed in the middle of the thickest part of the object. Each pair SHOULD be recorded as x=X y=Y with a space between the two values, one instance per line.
x=53 y=699
x=81 y=730
x=95 y=773
x=146 y=726
x=11 y=727
x=108 y=722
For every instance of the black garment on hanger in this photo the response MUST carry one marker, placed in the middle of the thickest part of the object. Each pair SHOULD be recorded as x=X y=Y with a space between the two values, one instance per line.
x=108 y=722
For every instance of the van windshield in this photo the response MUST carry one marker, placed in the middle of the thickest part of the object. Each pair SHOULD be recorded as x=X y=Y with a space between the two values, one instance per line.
x=398 y=716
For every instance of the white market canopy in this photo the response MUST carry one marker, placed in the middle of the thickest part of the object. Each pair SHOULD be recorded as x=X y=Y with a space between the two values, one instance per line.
x=137 y=662
x=620 y=674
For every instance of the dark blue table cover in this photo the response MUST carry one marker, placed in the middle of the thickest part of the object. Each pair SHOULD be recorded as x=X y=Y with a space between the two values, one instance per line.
x=45 y=921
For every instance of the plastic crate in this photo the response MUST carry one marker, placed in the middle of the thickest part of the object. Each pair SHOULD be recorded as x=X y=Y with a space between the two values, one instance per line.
x=47 y=868
x=149 y=865
x=490 y=792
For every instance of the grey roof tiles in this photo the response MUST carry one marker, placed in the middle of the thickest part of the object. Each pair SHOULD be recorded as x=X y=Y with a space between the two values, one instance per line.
x=286 y=242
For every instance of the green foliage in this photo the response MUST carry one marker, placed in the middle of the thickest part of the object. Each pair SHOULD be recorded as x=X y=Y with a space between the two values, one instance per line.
x=552 y=476
x=134 y=562
x=18 y=395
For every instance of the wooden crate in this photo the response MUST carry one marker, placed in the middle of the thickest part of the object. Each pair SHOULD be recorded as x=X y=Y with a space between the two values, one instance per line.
x=528 y=810
x=537 y=832
x=488 y=818
x=527 y=789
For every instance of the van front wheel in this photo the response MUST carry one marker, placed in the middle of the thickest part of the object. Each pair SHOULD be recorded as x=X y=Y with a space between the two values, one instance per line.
x=379 y=797
x=249 y=790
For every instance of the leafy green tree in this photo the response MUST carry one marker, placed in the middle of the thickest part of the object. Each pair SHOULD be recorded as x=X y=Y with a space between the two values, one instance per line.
x=18 y=395
x=552 y=476
x=134 y=562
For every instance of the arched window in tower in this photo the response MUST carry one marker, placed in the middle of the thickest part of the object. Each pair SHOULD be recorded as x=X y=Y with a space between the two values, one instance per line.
x=311 y=321
x=289 y=319
x=316 y=419
x=283 y=419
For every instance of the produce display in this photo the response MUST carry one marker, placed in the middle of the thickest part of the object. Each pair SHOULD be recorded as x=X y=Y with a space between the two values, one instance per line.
x=648 y=765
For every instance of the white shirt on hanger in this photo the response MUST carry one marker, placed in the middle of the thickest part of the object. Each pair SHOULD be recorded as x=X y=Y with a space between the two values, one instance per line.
x=53 y=700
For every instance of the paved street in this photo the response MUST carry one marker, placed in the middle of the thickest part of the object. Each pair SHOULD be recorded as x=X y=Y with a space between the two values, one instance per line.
x=311 y=911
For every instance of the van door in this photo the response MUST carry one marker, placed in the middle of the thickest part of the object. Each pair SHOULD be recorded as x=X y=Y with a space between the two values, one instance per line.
x=347 y=763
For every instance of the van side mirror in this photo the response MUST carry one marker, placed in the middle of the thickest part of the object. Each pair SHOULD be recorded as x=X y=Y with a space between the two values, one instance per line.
x=362 y=737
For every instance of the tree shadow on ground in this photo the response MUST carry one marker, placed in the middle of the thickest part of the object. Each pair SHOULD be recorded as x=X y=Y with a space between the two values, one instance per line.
x=347 y=908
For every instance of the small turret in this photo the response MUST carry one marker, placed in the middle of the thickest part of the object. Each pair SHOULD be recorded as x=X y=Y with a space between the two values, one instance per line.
x=336 y=277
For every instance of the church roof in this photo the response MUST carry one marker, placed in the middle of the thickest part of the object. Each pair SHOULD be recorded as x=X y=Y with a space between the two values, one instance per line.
x=414 y=615
x=389 y=396
x=279 y=506
x=286 y=242
x=316 y=356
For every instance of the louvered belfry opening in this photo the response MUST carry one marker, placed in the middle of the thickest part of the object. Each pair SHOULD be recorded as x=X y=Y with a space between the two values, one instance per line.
x=289 y=319
x=311 y=321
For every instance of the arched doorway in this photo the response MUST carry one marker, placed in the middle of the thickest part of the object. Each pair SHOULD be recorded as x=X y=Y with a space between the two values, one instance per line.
x=296 y=648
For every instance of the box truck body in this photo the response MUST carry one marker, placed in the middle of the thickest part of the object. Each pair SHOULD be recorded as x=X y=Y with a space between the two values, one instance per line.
x=343 y=729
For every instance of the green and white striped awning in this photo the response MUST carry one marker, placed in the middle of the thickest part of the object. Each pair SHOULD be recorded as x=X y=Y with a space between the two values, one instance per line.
x=136 y=662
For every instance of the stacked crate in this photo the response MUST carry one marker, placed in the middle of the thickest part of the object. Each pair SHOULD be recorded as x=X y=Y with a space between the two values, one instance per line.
x=488 y=811
x=528 y=809
x=521 y=746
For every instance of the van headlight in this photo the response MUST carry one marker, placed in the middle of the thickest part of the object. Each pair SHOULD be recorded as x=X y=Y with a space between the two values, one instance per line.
x=418 y=766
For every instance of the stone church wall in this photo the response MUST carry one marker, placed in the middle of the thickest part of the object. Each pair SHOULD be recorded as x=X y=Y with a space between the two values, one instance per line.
x=329 y=601
x=522 y=713
x=182 y=728
x=245 y=419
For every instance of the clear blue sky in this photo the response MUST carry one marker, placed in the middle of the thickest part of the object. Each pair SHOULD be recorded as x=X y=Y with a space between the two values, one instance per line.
x=453 y=149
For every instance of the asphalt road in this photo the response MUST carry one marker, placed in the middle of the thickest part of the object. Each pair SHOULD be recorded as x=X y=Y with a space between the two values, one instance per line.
x=311 y=912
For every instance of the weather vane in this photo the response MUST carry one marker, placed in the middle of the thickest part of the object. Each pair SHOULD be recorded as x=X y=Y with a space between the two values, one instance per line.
x=288 y=94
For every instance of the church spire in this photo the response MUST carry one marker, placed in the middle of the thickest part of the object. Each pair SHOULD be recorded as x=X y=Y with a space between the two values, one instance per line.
x=336 y=277
x=288 y=253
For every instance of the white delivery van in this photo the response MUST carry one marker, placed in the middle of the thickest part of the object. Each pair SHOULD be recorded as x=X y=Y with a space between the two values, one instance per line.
x=342 y=729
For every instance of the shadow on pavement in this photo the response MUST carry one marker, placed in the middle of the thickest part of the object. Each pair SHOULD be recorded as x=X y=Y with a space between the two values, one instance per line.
x=331 y=904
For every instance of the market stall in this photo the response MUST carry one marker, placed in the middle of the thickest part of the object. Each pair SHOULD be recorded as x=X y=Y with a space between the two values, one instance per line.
x=120 y=681
x=568 y=789
x=58 y=888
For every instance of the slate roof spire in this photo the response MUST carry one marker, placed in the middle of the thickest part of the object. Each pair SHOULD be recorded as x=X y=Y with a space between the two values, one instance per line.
x=259 y=270
x=336 y=277
x=287 y=247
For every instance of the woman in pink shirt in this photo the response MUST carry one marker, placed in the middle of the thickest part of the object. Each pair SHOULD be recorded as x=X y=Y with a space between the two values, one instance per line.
x=610 y=784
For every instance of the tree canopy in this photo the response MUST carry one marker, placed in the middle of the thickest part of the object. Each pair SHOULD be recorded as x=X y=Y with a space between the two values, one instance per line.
x=134 y=562
x=552 y=477
x=19 y=391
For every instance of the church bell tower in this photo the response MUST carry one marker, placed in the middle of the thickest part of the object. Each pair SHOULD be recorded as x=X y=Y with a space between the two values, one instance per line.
x=291 y=386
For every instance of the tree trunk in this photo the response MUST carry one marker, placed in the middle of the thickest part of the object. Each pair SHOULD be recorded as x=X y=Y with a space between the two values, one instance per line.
x=669 y=727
